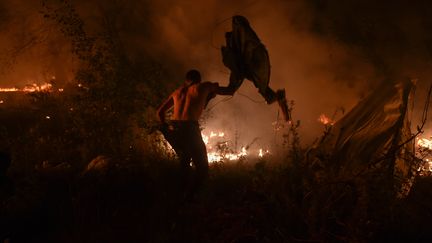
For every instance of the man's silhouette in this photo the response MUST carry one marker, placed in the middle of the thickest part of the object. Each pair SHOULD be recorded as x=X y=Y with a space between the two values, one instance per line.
x=183 y=131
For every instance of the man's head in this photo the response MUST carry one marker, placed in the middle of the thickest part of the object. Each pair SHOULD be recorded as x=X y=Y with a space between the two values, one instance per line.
x=193 y=76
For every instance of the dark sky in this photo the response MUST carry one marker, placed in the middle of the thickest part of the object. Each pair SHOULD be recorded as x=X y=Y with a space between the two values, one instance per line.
x=326 y=54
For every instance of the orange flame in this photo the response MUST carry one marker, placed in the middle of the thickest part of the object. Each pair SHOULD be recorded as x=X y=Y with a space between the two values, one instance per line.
x=217 y=155
x=424 y=143
x=325 y=120
x=30 y=88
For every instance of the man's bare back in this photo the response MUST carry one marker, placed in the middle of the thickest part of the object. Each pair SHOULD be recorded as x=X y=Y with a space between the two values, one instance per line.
x=184 y=133
x=190 y=100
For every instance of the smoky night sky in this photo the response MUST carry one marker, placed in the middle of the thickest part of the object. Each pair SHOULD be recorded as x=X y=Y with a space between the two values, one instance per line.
x=326 y=54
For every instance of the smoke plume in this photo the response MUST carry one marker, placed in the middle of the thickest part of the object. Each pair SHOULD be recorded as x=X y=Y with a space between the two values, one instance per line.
x=325 y=54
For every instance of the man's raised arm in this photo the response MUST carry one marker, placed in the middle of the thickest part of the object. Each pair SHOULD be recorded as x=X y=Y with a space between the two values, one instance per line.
x=225 y=90
x=215 y=89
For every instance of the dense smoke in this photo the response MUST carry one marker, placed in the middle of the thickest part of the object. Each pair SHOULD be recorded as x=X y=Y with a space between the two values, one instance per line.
x=305 y=64
x=32 y=50
x=325 y=54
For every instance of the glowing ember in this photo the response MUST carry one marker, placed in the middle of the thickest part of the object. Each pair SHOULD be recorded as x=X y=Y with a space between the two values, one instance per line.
x=214 y=157
x=1 y=101
x=424 y=143
x=29 y=88
x=218 y=148
x=9 y=89
x=220 y=156
x=325 y=120
x=35 y=87
x=426 y=167
x=262 y=153
x=218 y=134
x=424 y=152
x=243 y=152
x=205 y=138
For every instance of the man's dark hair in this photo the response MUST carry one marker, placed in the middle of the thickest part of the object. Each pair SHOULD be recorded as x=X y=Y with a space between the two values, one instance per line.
x=193 y=75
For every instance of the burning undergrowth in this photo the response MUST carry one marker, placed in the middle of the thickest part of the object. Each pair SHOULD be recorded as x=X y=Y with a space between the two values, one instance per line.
x=254 y=193
x=275 y=198
x=223 y=147
x=84 y=162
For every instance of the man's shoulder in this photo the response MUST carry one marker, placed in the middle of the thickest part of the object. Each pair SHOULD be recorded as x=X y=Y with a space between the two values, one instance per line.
x=177 y=91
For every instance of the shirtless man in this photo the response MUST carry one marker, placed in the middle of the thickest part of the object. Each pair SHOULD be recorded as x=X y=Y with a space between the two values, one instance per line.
x=183 y=132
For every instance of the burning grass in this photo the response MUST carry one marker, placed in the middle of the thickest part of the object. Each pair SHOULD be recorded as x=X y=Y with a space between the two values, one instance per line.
x=30 y=88
x=133 y=192
x=136 y=196
x=220 y=148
